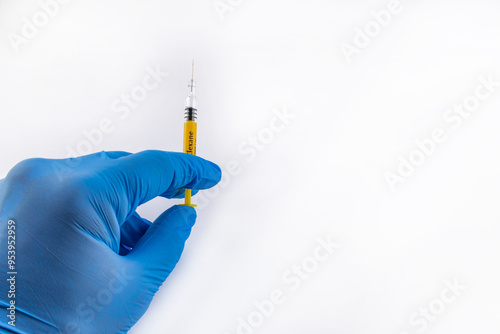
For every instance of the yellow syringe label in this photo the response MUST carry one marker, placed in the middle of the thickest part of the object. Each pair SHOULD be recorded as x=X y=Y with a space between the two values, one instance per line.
x=190 y=128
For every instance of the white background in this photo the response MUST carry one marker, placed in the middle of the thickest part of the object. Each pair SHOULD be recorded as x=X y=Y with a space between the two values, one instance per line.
x=322 y=175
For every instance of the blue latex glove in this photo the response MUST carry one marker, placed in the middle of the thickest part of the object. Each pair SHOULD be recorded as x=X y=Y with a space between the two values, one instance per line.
x=85 y=261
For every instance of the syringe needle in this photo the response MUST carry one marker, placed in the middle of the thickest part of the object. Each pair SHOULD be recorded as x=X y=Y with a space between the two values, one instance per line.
x=192 y=77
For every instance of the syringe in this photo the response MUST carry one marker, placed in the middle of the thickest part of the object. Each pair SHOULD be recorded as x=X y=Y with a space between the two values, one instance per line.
x=190 y=128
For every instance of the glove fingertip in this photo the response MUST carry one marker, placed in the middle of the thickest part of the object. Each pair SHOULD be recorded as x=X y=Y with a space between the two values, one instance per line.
x=186 y=214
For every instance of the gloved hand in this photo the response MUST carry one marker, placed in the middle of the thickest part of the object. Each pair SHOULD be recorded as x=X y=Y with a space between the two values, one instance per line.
x=85 y=261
